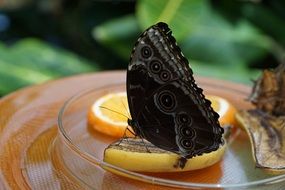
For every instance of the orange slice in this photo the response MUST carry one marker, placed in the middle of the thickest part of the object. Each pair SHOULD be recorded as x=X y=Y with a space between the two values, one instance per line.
x=109 y=114
x=224 y=108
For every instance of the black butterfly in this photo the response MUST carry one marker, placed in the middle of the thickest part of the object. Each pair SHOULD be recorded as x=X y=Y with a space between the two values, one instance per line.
x=166 y=106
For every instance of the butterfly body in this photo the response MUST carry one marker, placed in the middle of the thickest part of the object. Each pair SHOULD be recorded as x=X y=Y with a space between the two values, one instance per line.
x=167 y=107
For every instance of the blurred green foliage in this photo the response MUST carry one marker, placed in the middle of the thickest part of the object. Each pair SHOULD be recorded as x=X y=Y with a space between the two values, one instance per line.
x=30 y=61
x=48 y=39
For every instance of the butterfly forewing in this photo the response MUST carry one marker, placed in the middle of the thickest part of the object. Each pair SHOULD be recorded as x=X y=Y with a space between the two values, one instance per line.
x=166 y=105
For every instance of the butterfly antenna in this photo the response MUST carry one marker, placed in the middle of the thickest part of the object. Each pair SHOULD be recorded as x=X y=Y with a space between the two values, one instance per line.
x=127 y=111
x=114 y=111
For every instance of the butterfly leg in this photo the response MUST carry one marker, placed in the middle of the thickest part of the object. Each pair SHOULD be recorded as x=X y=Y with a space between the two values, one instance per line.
x=121 y=140
x=145 y=145
x=127 y=129
x=125 y=135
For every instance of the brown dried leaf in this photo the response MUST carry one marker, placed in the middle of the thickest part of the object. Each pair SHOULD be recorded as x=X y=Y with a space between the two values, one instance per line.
x=267 y=136
x=268 y=93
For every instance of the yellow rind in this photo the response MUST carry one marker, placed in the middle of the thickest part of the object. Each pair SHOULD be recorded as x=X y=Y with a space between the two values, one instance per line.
x=159 y=161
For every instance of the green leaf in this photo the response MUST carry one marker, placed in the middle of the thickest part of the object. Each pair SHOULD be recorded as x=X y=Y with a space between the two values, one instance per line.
x=118 y=35
x=203 y=34
x=31 y=61
x=266 y=19
x=9 y=82
x=181 y=15
x=226 y=46
x=241 y=75
x=54 y=61
x=220 y=49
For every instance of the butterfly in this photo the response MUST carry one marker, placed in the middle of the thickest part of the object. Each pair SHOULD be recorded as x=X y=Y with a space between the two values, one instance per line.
x=167 y=107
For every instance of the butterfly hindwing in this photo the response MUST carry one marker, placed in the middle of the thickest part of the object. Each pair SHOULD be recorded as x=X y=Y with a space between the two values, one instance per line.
x=166 y=105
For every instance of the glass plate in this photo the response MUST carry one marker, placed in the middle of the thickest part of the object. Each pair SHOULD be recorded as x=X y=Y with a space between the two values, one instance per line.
x=80 y=151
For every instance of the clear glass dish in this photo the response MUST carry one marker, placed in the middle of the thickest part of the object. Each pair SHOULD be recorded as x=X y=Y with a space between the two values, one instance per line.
x=79 y=150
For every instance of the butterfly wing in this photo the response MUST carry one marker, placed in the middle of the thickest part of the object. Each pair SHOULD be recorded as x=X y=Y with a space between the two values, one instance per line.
x=168 y=108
